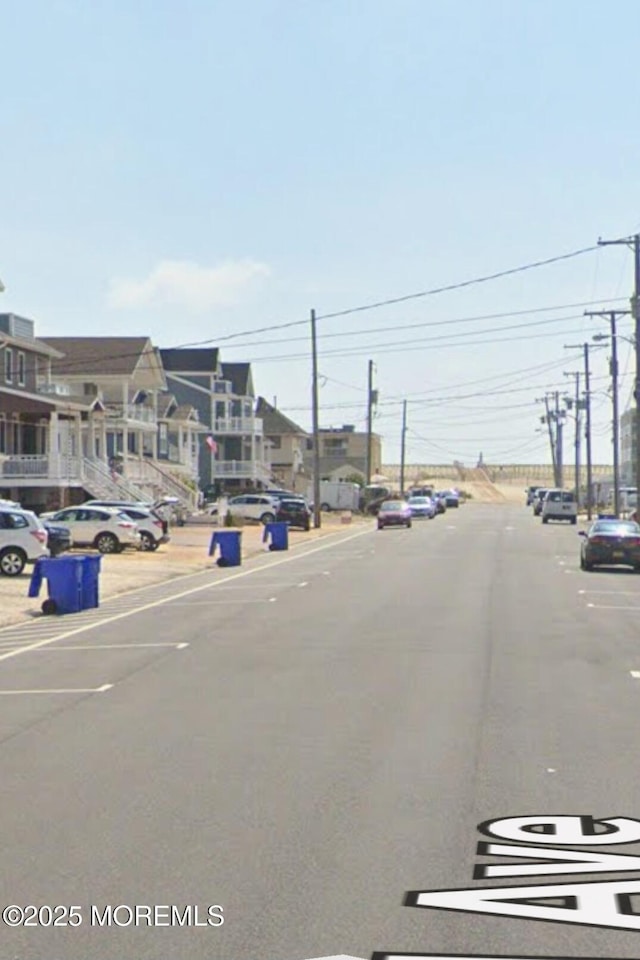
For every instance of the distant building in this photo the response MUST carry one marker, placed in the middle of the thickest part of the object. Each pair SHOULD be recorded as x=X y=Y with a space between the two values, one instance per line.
x=344 y=447
x=628 y=447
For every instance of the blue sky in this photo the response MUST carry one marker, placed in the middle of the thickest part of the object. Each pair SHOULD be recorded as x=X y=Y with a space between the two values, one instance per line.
x=196 y=170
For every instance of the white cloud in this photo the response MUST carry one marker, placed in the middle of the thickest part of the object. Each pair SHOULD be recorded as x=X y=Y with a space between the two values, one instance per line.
x=182 y=283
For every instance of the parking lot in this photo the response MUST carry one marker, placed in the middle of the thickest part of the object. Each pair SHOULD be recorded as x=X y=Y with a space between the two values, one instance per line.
x=186 y=554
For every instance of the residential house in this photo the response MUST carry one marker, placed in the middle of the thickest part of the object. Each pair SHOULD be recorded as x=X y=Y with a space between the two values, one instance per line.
x=628 y=422
x=234 y=456
x=43 y=424
x=287 y=447
x=343 y=451
x=125 y=374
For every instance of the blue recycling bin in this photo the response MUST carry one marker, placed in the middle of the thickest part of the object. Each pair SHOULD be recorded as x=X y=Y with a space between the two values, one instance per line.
x=229 y=543
x=278 y=532
x=90 y=581
x=72 y=583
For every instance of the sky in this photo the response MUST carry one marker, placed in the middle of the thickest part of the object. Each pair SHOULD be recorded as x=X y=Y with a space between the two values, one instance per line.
x=209 y=172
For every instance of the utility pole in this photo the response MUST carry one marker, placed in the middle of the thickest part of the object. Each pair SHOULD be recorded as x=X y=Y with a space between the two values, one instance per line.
x=370 y=399
x=559 y=425
x=315 y=426
x=548 y=420
x=403 y=446
x=634 y=243
x=577 y=407
x=612 y=316
x=587 y=431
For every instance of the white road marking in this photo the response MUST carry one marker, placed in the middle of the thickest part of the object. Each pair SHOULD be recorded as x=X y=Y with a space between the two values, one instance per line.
x=602 y=606
x=305 y=583
x=218 y=603
x=164 y=600
x=562 y=563
x=52 y=690
x=635 y=674
x=112 y=646
x=620 y=593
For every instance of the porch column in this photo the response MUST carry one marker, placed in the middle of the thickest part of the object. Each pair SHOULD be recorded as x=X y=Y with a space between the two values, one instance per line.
x=154 y=439
x=180 y=439
x=78 y=434
x=103 y=438
x=91 y=443
x=54 y=441
x=254 y=468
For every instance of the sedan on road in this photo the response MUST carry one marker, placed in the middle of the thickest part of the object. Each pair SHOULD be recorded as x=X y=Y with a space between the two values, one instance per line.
x=394 y=513
x=422 y=507
x=611 y=543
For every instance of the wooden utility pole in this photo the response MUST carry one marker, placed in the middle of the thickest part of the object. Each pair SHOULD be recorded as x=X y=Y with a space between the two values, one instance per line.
x=315 y=425
x=633 y=243
x=403 y=446
x=369 y=420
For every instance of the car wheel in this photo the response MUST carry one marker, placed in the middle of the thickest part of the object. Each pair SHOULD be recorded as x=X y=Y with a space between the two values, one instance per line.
x=587 y=566
x=147 y=542
x=106 y=543
x=574 y=520
x=380 y=526
x=267 y=518
x=307 y=527
x=325 y=507
x=12 y=561
x=545 y=519
x=408 y=524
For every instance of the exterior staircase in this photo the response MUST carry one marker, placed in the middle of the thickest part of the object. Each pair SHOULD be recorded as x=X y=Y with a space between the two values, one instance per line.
x=102 y=484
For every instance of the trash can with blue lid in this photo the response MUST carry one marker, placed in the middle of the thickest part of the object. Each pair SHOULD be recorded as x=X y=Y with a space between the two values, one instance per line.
x=278 y=533
x=230 y=550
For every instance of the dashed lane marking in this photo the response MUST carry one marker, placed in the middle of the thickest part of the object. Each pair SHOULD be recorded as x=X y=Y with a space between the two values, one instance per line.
x=111 y=646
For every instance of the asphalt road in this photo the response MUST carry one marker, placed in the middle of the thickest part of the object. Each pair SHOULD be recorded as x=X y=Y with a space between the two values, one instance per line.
x=312 y=736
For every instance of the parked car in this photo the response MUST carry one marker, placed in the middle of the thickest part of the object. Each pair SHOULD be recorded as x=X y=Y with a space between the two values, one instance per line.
x=294 y=512
x=252 y=506
x=441 y=502
x=610 y=542
x=394 y=513
x=531 y=492
x=422 y=507
x=154 y=530
x=23 y=539
x=451 y=498
x=538 y=500
x=60 y=538
x=105 y=528
x=559 y=505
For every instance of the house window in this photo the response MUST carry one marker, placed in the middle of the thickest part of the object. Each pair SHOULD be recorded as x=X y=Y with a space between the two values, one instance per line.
x=3 y=436
x=8 y=364
x=276 y=442
x=21 y=369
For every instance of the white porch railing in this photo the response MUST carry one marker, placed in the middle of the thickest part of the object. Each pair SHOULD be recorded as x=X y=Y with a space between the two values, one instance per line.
x=241 y=469
x=39 y=467
x=238 y=425
x=134 y=412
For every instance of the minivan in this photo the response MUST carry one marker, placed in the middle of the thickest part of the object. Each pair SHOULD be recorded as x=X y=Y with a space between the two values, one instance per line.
x=560 y=505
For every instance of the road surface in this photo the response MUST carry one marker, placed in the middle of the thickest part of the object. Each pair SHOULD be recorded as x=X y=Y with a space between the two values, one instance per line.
x=303 y=740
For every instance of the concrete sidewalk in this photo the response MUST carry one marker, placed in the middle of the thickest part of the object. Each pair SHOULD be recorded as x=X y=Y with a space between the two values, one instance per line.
x=187 y=553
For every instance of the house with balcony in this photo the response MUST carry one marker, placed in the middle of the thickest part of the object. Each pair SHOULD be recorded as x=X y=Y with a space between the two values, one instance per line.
x=45 y=425
x=134 y=458
x=287 y=443
x=343 y=451
x=232 y=454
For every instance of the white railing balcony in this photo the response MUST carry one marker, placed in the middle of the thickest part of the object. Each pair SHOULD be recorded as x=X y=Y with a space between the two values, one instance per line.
x=131 y=412
x=39 y=467
x=240 y=469
x=238 y=425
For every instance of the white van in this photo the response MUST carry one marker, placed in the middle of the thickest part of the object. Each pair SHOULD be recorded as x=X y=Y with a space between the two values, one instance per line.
x=560 y=505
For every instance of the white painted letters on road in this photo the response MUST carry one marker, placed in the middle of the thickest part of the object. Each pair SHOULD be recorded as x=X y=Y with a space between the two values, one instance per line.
x=560 y=830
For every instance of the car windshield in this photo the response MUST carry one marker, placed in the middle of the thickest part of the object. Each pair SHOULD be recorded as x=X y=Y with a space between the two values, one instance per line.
x=391 y=505
x=615 y=528
x=420 y=500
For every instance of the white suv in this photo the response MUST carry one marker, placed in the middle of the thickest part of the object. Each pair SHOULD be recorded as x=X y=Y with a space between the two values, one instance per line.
x=106 y=529
x=253 y=506
x=153 y=529
x=23 y=539
x=559 y=505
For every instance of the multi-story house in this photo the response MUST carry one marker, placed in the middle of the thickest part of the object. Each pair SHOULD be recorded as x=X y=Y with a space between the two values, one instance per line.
x=287 y=444
x=343 y=451
x=233 y=454
x=628 y=446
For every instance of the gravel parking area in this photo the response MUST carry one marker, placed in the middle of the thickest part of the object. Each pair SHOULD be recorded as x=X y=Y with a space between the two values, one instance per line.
x=187 y=553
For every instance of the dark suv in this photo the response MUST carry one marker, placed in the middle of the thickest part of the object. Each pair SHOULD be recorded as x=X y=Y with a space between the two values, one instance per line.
x=294 y=512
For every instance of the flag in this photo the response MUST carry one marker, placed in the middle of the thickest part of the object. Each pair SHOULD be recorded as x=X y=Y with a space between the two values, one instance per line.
x=213 y=446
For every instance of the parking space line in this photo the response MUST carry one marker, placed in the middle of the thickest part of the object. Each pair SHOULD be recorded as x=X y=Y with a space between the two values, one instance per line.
x=56 y=690
x=112 y=646
x=602 y=606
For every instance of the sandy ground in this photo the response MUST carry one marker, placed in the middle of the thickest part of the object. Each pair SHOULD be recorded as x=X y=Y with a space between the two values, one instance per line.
x=187 y=553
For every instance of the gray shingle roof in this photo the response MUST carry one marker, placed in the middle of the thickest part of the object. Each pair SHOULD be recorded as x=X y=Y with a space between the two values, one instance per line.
x=193 y=359
x=274 y=422
x=240 y=376
x=97 y=355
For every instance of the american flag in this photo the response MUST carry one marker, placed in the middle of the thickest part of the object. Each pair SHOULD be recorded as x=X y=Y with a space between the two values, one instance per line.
x=213 y=446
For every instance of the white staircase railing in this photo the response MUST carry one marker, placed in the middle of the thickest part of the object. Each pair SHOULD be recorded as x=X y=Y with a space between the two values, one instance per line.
x=163 y=482
x=105 y=485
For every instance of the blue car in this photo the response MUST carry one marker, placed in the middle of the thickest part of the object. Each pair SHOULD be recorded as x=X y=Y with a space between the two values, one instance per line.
x=422 y=507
